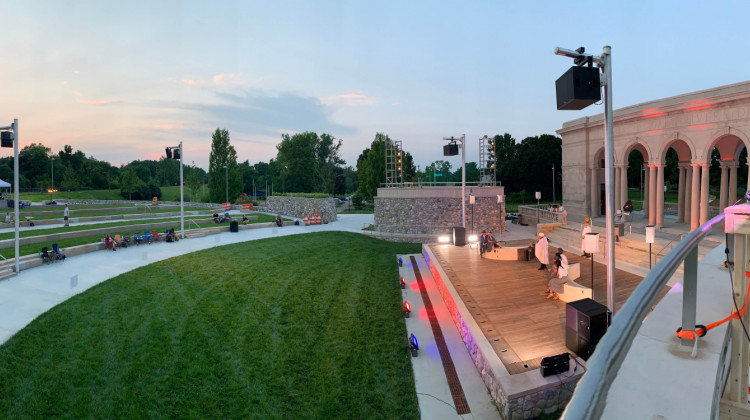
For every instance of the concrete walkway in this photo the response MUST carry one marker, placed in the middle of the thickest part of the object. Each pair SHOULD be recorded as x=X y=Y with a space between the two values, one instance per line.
x=35 y=291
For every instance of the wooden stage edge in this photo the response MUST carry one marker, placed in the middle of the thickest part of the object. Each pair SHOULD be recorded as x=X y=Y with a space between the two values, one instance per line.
x=507 y=301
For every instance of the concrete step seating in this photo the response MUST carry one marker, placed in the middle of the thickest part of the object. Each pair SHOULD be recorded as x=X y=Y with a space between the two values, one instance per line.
x=573 y=291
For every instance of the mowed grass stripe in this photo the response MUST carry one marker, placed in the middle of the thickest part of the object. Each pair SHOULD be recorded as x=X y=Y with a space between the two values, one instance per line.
x=303 y=326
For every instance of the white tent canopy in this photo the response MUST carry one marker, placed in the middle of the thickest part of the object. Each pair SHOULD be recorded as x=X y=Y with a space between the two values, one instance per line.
x=3 y=184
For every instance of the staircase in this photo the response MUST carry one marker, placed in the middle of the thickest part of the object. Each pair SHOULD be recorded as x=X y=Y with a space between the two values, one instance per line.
x=631 y=250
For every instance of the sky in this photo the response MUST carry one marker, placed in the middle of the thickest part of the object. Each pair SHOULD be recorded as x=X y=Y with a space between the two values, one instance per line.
x=123 y=80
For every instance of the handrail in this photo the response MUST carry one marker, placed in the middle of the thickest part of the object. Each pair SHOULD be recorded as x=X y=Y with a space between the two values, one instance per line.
x=7 y=263
x=590 y=395
x=668 y=243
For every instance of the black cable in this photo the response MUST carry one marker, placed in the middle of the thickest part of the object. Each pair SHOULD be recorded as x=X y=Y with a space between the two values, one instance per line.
x=444 y=402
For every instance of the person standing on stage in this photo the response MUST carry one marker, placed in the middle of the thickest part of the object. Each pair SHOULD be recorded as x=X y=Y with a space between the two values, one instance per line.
x=586 y=229
x=66 y=215
x=541 y=250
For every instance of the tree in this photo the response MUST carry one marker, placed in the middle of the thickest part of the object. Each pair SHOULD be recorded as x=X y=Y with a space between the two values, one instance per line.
x=296 y=160
x=193 y=181
x=70 y=180
x=223 y=154
x=371 y=167
x=129 y=183
x=328 y=162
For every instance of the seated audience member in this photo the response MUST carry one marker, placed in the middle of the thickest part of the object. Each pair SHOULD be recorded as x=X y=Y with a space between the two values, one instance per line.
x=495 y=244
x=110 y=243
x=245 y=220
x=216 y=218
x=278 y=220
x=8 y=218
x=483 y=242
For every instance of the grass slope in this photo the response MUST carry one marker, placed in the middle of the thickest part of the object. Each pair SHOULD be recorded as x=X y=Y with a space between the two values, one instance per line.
x=304 y=326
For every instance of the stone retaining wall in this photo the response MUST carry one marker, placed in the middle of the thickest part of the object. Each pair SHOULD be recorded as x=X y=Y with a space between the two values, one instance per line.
x=298 y=206
x=521 y=396
x=437 y=210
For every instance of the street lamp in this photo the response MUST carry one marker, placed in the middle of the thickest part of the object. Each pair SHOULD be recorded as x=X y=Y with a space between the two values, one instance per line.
x=52 y=184
x=176 y=152
x=538 y=196
x=553 y=183
x=10 y=139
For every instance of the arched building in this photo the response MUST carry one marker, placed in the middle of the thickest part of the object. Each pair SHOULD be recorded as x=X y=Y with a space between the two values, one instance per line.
x=691 y=126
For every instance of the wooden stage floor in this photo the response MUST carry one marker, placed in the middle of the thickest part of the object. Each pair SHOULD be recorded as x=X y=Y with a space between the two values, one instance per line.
x=508 y=302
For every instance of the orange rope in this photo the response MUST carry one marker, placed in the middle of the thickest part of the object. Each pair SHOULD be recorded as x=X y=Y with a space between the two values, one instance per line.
x=701 y=330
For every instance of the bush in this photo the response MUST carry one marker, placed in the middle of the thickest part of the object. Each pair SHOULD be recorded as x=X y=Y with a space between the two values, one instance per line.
x=358 y=201
x=303 y=195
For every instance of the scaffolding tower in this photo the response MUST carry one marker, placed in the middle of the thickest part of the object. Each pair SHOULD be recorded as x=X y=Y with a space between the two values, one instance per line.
x=487 y=162
x=394 y=168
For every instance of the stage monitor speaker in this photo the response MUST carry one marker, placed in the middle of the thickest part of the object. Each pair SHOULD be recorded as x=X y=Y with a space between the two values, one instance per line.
x=585 y=324
x=555 y=364
x=578 y=88
x=450 y=149
x=459 y=236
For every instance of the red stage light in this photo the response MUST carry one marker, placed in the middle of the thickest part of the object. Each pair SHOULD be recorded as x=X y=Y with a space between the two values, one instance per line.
x=407 y=308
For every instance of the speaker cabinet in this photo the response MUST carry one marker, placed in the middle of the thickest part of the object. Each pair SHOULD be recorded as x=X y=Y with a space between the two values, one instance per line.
x=459 y=236
x=578 y=88
x=585 y=324
x=450 y=149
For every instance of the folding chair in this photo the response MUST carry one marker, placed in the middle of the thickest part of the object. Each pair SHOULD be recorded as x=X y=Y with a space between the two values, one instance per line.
x=147 y=236
x=155 y=234
x=138 y=238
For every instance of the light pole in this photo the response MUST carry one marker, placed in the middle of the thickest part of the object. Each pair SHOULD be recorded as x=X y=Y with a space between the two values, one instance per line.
x=6 y=138
x=172 y=152
x=604 y=62
x=52 y=184
x=462 y=139
x=227 y=170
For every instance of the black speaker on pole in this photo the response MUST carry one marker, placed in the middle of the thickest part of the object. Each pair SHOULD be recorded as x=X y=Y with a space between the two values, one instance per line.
x=586 y=322
x=578 y=88
x=450 y=149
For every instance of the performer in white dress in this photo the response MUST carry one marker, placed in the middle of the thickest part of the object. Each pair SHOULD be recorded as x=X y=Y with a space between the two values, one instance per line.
x=586 y=229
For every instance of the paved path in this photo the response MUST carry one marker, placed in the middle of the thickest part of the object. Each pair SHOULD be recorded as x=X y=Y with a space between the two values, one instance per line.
x=35 y=291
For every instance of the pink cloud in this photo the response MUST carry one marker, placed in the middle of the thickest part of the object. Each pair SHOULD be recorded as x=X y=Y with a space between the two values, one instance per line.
x=229 y=79
x=349 y=99
x=168 y=127
x=194 y=82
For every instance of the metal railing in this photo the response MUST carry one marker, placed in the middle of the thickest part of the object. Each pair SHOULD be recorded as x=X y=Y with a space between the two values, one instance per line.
x=533 y=213
x=590 y=396
x=679 y=235
x=6 y=262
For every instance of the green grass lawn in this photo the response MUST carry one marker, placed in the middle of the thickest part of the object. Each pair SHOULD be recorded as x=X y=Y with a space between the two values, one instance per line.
x=134 y=210
x=115 y=228
x=75 y=195
x=299 y=327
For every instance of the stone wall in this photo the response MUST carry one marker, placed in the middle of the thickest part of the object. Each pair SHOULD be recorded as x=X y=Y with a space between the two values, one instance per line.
x=298 y=206
x=437 y=210
x=521 y=396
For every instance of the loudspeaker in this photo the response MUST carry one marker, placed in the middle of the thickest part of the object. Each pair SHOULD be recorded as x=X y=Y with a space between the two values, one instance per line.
x=555 y=364
x=234 y=226
x=578 y=88
x=6 y=139
x=450 y=149
x=459 y=236
x=586 y=322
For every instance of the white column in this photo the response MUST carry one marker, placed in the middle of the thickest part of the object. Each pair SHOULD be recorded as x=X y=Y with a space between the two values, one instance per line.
x=618 y=180
x=594 y=193
x=688 y=191
x=624 y=185
x=646 y=189
x=695 y=197
x=659 y=195
x=723 y=187
x=652 y=194
x=704 y=193
x=732 y=196
x=681 y=194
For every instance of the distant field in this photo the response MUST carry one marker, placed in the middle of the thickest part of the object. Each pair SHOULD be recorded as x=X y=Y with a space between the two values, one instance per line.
x=167 y=194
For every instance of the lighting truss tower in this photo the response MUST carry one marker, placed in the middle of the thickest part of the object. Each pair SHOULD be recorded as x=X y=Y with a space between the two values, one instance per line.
x=394 y=168
x=487 y=161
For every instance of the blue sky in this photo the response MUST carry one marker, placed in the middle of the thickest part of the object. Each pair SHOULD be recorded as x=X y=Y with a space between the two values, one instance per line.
x=122 y=80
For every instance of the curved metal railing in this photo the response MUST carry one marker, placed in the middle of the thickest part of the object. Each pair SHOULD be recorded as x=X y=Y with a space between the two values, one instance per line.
x=590 y=396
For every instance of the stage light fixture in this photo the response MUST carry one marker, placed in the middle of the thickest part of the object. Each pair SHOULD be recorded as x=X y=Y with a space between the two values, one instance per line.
x=444 y=239
x=413 y=345
x=400 y=262
x=403 y=283
x=473 y=238
x=407 y=309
